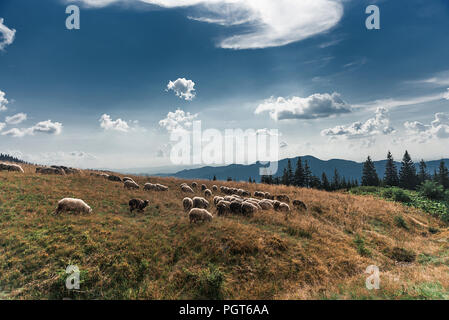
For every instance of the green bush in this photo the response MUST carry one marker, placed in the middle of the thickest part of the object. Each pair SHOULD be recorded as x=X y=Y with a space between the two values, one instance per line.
x=400 y=195
x=432 y=190
x=387 y=193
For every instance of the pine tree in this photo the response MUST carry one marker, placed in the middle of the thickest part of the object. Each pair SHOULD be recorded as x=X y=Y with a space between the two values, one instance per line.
x=407 y=174
x=325 y=182
x=391 y=178
x=336 y=182
x=422 y=174
x=315 y=182
x=443 y=175
x=307 y=174
x=215 y=178
x=299 y=174
x=369 y=175
x=288 y=174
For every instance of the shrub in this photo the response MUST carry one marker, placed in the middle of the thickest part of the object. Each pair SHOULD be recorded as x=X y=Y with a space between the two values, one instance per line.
x=400 y=222
x=432 y=190
x=402 y=255
x=400 y=195
x=360 y=245
x=387 y=193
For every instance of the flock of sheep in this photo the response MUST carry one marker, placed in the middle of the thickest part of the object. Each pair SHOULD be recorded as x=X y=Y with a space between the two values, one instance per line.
x=235 y=201
x=232 y=201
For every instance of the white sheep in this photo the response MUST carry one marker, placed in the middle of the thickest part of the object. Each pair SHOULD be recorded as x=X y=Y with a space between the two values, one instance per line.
x=200 y=203
x=129 y=184
x=202 y=215
x=70 y=204
x=187 y=204
x=185 y=188
x=11 y=167
x=207 y=193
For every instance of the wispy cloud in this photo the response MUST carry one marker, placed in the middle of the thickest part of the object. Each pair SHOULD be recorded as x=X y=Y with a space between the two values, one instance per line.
x=3 y=101
x=46 y=127
x=16 y=119
x=268 y=23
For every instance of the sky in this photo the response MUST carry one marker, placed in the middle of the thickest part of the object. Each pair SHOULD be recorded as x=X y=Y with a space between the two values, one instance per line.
x=111 y=93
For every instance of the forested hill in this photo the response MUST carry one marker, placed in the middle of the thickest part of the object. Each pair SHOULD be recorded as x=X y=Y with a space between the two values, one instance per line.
x=8 y=158
x=346 y=168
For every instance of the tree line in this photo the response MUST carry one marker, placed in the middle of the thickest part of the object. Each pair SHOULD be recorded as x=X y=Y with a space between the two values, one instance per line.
x=302 y=177
x=407 y=177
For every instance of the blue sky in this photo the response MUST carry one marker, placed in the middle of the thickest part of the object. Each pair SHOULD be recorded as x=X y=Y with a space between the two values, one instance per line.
x=254 y=64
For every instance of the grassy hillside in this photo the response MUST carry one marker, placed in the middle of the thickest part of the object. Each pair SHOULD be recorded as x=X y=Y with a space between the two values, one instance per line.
x=320 y=253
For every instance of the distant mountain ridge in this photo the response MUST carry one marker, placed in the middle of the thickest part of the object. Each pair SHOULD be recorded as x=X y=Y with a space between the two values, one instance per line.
x=346 y=168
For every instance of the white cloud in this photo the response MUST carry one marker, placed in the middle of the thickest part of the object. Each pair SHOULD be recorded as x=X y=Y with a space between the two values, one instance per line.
x=438 y=129
x=6 y=35
x=16 y=119
x=313 y=107
x=178 y=121
x=48 y=127
x=2 y=125
x=380 y=124
x=268 y=23
x=72 y=158
x=184 y=89
x=3 y=101
x=108 y=124
x=446 y=95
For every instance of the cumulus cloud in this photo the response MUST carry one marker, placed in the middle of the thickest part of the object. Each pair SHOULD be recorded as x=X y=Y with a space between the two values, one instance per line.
x=2 y=126
x=179 y=120
x=6 y=35
x=16 y=119
x=108 y=124
x=437 y=129
x=380 y=124
x=266 y=23
x=47 y=127
x=183 y=88
x=313 y=107
x=3 y=101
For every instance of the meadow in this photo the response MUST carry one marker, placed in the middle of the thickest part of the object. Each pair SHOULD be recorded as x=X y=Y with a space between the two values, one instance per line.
x=318 y=253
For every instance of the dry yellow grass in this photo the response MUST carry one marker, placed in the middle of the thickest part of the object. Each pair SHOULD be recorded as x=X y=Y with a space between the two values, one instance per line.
x=315 y=254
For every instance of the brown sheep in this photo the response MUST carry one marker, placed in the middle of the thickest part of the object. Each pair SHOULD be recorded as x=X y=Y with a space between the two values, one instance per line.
x=283 y=198
x=223 y=208
x=11 y=167
x=299 y=204
x=207 y=193
x=203 y=187
x=138 y=204
x=248 y=209
x=185 y=188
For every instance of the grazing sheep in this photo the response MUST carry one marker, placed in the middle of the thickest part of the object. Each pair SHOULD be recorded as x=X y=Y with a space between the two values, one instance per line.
x=200 y=203
x=127 y=179
x=235 y=207
x=276 y=204
x=283 y=207
x=268 y=196
x=67 y=170
x=246 y=193
x=266 y=205
x=202 y=215
x=138 y=204
x=70 y=204
x=223 y=208
x=149 y=186
x=255 y=203
x=194 y=185
x=248 y=209
x=11 y=167
x=203 y=187
x=186 y=188
x=299 y=204
x=187 y=204
x=214 y=188
x=259 y=194
x=131 y=185
x=217 y=199
x=160 y=187
x=43 y=170
x=283 y=197
x=114 y=178
x=207 y=193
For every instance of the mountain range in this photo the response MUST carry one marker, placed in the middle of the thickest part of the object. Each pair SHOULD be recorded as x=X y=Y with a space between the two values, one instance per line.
x=238 y=172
